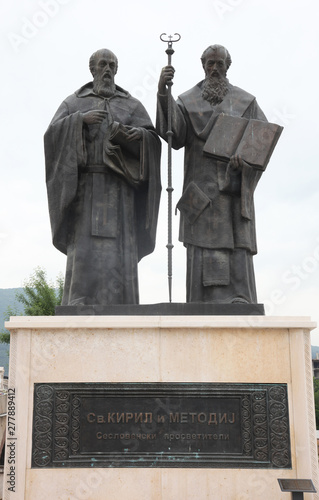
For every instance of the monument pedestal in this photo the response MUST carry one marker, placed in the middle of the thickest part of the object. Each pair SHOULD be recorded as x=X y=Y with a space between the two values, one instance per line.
x=241 y=387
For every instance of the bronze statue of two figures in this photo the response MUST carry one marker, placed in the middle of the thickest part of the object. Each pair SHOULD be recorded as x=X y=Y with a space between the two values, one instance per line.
x=103 y=181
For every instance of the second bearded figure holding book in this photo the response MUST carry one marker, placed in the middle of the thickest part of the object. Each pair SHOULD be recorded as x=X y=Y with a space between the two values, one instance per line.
x=217 y=223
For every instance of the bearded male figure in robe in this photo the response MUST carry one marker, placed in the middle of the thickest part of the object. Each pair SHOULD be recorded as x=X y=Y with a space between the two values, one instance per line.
x=103 y=182
x=219 y=233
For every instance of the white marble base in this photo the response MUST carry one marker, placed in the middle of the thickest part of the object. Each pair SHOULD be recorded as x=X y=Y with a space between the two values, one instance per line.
x=246 y=349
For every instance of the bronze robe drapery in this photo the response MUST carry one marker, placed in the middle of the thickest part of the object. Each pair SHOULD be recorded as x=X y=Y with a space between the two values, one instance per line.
x=219 y=235
x=103 y=197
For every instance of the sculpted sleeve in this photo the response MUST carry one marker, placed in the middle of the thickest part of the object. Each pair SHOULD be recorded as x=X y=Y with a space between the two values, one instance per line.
x=179 y=124
x=148 y=197
x=64 y=153
x=250 y=175
x=148 y=192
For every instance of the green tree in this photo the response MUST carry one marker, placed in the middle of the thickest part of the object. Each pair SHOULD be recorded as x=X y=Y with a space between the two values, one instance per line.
x=39 y=298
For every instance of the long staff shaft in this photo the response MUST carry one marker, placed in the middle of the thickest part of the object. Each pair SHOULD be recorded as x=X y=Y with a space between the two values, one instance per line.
x=169 y=51
x=169 y=188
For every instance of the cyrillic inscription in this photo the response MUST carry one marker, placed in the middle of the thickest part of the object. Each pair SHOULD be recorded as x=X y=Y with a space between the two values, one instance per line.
x=161 y=425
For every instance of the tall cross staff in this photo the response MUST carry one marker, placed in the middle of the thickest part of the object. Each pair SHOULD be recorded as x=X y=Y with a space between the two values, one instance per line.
x=169 y=51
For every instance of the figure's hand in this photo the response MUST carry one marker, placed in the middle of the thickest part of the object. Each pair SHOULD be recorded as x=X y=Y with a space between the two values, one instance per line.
x=166 y=77
x=236 y=162
x=94 y=116
x=134 y=134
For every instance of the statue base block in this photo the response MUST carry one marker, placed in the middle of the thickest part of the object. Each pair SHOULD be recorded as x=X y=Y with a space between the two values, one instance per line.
x=163 y=309
x=159 y=407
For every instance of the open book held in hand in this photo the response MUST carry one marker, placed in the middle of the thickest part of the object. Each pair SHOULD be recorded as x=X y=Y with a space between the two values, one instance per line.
x=253 y=140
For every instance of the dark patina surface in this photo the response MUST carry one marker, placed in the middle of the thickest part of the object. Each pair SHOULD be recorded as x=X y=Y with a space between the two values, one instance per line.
x=103 y=181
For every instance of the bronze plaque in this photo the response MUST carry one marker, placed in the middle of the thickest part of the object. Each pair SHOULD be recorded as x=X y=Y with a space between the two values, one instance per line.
x=160 y=425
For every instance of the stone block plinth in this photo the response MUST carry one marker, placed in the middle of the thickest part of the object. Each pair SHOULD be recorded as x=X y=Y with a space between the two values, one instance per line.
x=224 y=380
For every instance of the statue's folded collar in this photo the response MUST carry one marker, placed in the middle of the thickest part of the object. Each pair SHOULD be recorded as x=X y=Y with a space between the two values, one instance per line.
x=202 y=114
x=87 y=91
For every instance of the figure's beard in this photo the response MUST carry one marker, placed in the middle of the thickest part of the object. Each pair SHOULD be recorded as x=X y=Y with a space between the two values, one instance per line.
x=103 y=86
x=215 y=89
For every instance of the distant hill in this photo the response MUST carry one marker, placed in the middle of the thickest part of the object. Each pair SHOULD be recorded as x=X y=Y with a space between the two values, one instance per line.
x=7 y=298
